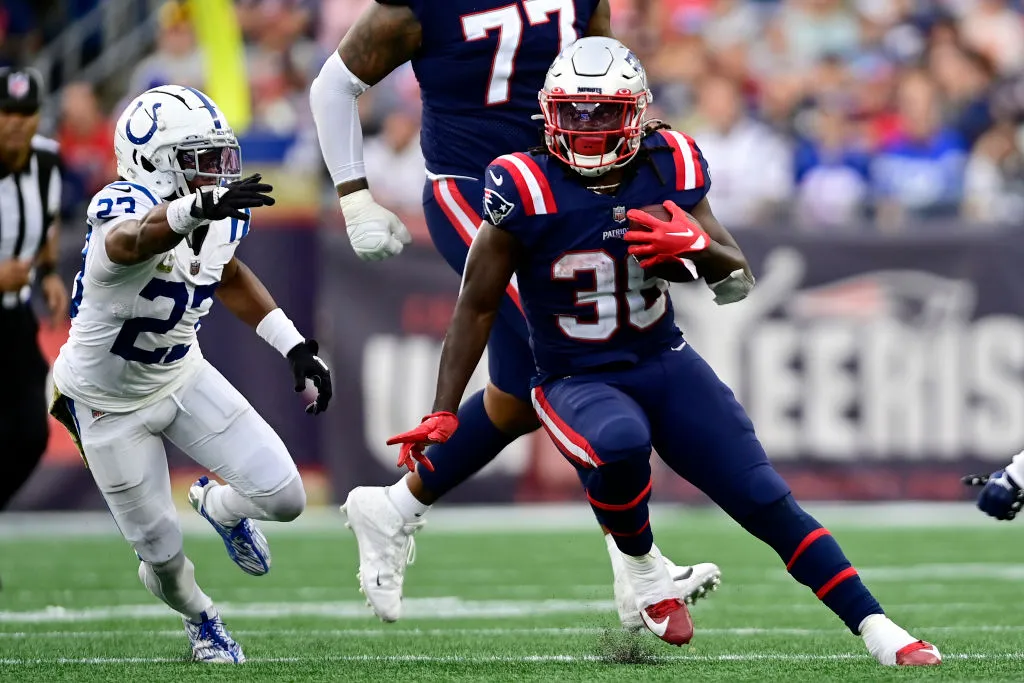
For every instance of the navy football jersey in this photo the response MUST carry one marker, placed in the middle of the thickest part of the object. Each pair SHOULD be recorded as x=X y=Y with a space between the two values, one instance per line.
x=480 y=67
x=587 y=301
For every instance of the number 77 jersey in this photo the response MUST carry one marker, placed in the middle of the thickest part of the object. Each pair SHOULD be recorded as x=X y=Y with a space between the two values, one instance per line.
x=133 y=328
x=480 y=66
x=587 y=301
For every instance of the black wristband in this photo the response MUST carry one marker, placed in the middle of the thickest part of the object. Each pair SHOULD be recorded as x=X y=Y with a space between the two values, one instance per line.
x=44 y=269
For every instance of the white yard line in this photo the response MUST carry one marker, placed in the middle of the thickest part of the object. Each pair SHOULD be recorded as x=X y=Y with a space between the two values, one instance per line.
x=423 y=608
x=525 y=632
x=486 y=659
x=532 y=518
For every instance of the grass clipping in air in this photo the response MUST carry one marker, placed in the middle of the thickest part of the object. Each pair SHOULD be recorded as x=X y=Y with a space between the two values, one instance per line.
x=618 y=646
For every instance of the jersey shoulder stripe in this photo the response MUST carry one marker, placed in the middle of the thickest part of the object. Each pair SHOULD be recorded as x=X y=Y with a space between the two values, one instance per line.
x=533 y=186
x=240 y=229
x=688 y=160
x=119 y=199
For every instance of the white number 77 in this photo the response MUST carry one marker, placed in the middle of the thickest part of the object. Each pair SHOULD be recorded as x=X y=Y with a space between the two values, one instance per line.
x=509 y=23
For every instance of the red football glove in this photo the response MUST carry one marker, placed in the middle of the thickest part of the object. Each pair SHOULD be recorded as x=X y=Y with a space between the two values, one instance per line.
x=434 y=428
x=665 y=240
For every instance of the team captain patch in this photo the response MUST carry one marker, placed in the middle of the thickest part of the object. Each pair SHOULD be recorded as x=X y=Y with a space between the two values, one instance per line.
x=497 y=207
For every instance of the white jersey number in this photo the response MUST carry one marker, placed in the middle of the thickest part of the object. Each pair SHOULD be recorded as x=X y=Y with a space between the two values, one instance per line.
x=124 y=344
x=509 y=23
x=605 y=297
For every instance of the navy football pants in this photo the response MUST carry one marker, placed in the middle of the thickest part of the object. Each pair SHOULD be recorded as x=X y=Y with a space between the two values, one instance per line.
x=676 y=404
x=452 y=209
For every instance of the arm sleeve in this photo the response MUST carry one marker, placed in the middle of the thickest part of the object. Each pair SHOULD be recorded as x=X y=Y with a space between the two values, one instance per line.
x=332 y=98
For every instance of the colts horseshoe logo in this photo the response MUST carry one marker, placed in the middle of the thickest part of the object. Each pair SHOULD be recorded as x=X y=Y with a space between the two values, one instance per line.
x=145 y=137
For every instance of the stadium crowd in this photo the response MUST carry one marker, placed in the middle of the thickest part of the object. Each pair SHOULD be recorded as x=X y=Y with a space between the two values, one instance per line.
x=824 y=114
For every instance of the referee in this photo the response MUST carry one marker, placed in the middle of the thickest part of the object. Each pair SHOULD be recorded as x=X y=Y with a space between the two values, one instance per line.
x=30 y=186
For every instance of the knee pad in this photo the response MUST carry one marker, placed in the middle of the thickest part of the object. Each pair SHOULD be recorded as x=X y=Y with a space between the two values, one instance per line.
x=285 y=504
x=621 y=437
x=158 y=541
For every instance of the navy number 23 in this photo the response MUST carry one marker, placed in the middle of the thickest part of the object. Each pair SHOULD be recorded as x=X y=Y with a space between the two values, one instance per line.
x=124 y=344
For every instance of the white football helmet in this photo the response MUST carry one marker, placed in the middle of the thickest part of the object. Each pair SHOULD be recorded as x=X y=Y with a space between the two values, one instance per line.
x=594 y=99
x=173 y=134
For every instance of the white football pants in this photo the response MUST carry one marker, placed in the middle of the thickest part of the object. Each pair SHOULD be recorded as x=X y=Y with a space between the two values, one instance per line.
x=212 y=423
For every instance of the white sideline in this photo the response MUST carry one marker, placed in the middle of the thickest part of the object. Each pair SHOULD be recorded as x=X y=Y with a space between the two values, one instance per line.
x=534 y=517
x=486 y=659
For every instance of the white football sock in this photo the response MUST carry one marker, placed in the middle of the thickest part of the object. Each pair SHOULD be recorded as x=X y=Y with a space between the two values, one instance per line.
x=174 y=582
x=228 y=506
x=883 y=638
x=401 y=497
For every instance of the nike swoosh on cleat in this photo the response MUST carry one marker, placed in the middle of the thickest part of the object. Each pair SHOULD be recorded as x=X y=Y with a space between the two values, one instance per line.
x=659 y=628
x=689 y=570
x=378 y=580
x=497 y=179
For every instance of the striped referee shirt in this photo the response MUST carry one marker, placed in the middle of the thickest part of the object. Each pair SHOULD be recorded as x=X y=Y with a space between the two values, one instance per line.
x=29 y=203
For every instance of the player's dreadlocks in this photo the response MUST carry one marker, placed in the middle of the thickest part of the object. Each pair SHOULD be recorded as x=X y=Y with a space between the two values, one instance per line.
x=643 y=155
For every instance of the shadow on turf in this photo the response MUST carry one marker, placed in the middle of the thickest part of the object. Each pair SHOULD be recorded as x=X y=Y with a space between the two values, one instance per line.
x=616 y=646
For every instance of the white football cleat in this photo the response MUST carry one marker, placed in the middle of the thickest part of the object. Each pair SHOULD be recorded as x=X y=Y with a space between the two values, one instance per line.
x=692 y=584
x=893 y=646
x=386 y=548
x=246 y=545
x=660 y=609
x=211 y=642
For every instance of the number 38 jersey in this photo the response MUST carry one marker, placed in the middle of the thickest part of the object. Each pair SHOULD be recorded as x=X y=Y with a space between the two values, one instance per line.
x=133 y=328
x=480 y=66
x=586 y=299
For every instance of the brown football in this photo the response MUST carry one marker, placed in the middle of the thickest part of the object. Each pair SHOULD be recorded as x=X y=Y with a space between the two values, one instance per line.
x=673 y=272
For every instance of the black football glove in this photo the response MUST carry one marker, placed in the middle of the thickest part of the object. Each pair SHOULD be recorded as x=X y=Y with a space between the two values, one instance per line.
x=214 y=202
x=307 y=365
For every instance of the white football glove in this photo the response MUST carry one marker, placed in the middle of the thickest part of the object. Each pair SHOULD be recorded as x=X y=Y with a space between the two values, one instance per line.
x=375 y=232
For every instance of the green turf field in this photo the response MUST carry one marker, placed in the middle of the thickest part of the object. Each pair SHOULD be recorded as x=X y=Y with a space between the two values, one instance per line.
x=512 y=605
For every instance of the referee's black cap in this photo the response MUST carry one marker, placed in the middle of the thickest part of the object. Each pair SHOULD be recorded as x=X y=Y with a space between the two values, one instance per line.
x=21 y=91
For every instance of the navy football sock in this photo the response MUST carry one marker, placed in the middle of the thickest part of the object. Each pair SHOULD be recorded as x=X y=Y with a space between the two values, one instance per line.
x=618 y=493
x=814 y=559
x=475 y=443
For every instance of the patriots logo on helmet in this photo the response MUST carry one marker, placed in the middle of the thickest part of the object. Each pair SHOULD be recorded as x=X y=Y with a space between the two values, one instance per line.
x=497 y=207
x=18 y=85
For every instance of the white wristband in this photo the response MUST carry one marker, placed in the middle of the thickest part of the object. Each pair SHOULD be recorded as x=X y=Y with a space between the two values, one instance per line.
x=279 y=331
x=179 y=215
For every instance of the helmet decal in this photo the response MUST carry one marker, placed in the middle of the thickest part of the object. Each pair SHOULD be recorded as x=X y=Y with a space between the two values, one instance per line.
x=148 y=135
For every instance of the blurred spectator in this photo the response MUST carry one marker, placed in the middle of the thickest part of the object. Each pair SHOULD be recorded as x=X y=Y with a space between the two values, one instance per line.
x=254 y=15
x=86 y=140
x=394 y=164
x=336 y=18
x=280 y=61
x=751 y=166
x=19 y=31
x=965 y=78
x=921 y=172
x=994 y=179
x=176 y=60
x=992 y=28
x=813 y=29
x=831 y=171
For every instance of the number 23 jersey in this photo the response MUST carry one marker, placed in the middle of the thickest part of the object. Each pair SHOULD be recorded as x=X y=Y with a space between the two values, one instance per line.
x=586 y=299
x=133 y=328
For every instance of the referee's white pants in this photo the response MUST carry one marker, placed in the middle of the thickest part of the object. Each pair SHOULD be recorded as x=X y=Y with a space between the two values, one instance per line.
x=212 y=423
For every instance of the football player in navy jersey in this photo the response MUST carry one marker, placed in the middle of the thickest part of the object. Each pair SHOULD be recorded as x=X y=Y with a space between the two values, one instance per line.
x=615 y=378
x=480 y=64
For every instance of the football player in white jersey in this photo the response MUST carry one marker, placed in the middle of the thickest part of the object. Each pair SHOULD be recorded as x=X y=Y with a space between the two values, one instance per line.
x=160 y=246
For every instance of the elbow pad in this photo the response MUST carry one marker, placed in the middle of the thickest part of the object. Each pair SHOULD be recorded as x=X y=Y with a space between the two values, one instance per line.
x=734 y=288
x=332 y=99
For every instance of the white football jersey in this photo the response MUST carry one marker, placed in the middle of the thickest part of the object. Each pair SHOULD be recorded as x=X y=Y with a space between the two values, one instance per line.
x=133 y=328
